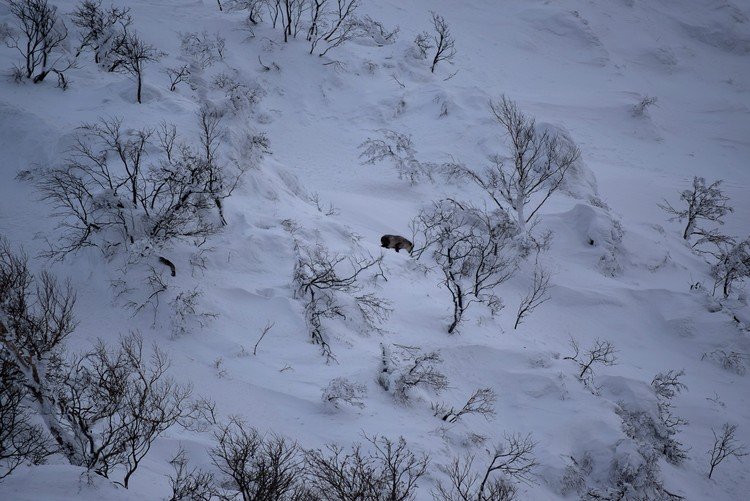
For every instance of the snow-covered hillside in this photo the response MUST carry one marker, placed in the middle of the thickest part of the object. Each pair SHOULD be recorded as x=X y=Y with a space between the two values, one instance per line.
x=620 y=269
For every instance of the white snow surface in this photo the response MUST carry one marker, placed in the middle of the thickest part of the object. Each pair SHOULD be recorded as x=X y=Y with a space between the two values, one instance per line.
x=575 y=65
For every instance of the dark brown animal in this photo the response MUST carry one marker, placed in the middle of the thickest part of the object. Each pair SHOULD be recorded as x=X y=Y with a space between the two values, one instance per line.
x=396 y=242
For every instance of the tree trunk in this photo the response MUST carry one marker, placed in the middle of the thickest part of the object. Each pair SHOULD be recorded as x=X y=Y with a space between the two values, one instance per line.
x=519 y=206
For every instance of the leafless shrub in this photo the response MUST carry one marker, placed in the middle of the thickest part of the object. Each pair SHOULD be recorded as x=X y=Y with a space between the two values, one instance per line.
x=387 y=471
x=190 y=484
x=399 y=149
x=574 y=476
x=725 y=445
x=326 y=281
x=263 y=333
x=147 y=297
x=41 y=38
x=342 y=391
x=732 y=361
x=258 y=467
x=732 y=266
x=512 y=460
x=602 y=352
x=638 y=110
x=466 y=485
x=536 y=296
x=706 y=203
x=631 y=476
x=128 y=400
x=130 y=55
x=471 y=247
x=423 y=44
x=104 y=407
x=667 y=384
x=328 y=211
x=185 y=312
x=99 y=27
x=655 y=433
x=639 y=474
x=110 y=195
x=409 y=368
x=177 y=75
x=15 y=74
x=539 y=159
x=203 y=49
x=375 y=30
x=443 y=41
x=481 y=402
x=239 y=96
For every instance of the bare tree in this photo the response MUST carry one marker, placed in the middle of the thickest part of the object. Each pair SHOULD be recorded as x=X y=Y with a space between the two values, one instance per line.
x=323 y=278
x=512 y=460
x=538 y=294
x=444 y=43
x=415 y=368
x=203 y=49
x=666 y=385
x=128 y=415
x=538 y=164
x=291 y=16
x=177 y=75
x=732 y=266
x=99 y=27
x=725 y=445
x=42 y=34
x=470 y=246
x=21 y=440
x=190 y=484
x=388 y=471
x=110 y=195
x=103 y=408
x=481 y=402
x=399 y=149
x=409 y=367
x=259 y=467
x=333 y=23
x=704 y=203
x=130 y=55
x=36 y=316
x=602 y=352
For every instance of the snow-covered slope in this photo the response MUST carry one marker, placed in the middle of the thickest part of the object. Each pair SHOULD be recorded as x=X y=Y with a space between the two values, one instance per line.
x=621 y=271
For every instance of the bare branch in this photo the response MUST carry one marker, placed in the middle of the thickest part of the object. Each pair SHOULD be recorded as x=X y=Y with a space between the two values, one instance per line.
x=444 y=43
x=538 y=294
x=725 y=445
x=481 y=402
